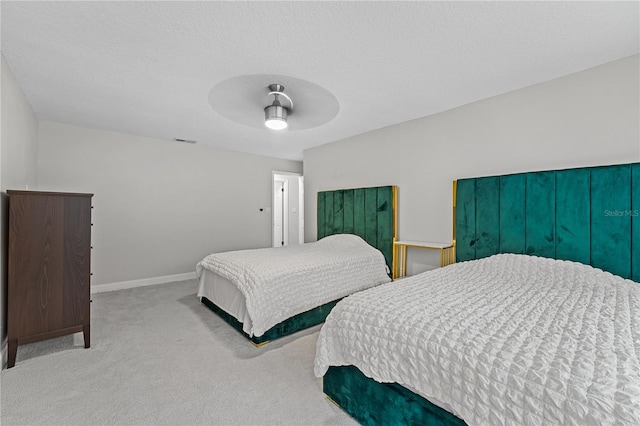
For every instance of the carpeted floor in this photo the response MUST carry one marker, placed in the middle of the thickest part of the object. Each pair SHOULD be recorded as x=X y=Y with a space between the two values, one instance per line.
x=160 y=357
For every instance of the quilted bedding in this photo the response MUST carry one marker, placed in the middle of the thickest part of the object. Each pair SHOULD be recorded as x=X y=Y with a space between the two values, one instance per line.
x=510 y=339
x=278 y=283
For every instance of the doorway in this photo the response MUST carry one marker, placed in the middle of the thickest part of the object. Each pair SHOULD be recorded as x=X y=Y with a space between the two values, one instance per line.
x=288 y=209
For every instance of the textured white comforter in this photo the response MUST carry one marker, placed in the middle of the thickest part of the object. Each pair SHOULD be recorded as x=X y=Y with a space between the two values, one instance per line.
x=279 y=283
x=509 y=339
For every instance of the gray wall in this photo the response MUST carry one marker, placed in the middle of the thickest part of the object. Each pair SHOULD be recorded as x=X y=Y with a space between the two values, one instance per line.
x=583 y=119
x=18 y=162
x=159 y=206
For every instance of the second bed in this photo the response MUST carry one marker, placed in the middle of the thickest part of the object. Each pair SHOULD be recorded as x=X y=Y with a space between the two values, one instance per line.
x=272 y=292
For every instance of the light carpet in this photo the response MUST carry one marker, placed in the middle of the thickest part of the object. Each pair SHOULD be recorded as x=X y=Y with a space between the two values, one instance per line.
x=160 y=357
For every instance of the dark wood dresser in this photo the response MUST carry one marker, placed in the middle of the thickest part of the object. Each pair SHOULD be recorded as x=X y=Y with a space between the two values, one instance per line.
x=49 y=267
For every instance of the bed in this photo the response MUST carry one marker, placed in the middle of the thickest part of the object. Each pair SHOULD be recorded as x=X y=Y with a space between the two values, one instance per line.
x=538 y=321
x=272 y=292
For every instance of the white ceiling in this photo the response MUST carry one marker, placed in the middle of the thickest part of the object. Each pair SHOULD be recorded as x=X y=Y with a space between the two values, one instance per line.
x=147 y=68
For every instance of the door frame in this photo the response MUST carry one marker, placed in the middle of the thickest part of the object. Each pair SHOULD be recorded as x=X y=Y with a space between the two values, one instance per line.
x=277 y=176
x=282 y=238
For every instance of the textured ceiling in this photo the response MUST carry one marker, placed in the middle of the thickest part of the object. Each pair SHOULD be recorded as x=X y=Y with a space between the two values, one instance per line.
x=147 y=68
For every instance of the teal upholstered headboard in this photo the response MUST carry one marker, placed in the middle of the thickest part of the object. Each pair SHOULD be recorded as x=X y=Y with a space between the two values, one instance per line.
x=367 y=212
x=589 y=215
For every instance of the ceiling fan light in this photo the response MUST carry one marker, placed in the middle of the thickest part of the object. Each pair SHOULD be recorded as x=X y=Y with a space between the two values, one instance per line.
x=275 y=117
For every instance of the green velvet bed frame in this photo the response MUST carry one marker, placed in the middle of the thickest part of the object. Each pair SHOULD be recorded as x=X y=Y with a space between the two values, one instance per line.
x=367 y=212
x=370 y=213
x=373 y=403
x=589 y=215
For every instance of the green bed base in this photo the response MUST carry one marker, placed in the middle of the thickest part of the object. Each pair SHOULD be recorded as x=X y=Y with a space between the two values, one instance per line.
x=373 y=403
x=289 y=326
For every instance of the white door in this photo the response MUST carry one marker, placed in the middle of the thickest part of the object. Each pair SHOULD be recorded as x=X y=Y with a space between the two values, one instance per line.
x=288 y=209
x=278 y=213
x=300 y=210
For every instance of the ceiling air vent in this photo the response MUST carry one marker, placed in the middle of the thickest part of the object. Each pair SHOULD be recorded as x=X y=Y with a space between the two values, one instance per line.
x=184 y=140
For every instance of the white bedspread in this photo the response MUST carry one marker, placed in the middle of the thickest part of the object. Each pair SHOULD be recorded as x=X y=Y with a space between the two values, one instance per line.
x=509 y=339
x=279 y=283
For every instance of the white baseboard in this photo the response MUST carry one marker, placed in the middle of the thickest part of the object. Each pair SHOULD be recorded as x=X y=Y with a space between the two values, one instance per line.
x=101 y=288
